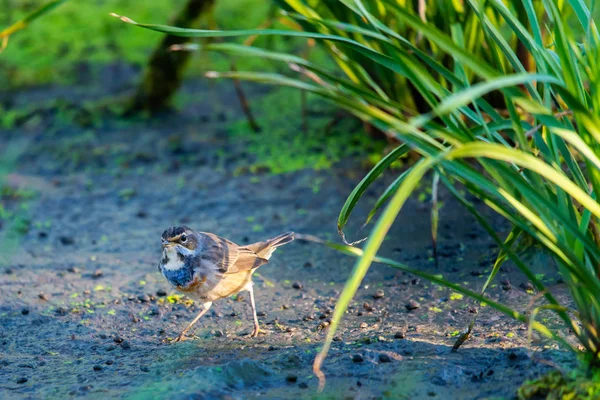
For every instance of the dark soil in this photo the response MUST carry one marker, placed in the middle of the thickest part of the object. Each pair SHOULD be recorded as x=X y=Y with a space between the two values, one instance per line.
x=85 y=311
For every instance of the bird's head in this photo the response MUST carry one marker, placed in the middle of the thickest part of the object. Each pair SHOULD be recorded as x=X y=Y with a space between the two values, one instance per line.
x=179 y=238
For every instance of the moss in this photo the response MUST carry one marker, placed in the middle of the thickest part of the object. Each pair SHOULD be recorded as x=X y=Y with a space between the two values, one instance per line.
x=555 y=386
x=283 y=147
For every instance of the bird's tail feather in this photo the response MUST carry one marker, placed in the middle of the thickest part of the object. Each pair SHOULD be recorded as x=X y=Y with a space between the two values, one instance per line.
x=265 y=249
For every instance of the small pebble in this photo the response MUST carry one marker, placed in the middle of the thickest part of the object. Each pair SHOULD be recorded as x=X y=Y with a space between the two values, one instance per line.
x=74 y=270
x=291 y=378
x=43 y=296
x=357 y=358
x=261 y=314
x=125 y=345
x=297 y=285
x=412 y=305
x=400 y=335
x=526 y=286
x=141 y=214
x=144 y=298
x=66 y=240
x=161 y=293
x=307 y=264
x=285 y=306
x=384 y=358
x=379 y=293
x=415 y=281
x=109 y=362
x=303 y=385
x=272 y=348
x=118 y=339
x=21 y=380
x=154 y=311
x=25 y=311
x=97 y=273
x=61 y=311
x=368 y=307
x=97 y=368
x=143 y=368
x=363 y=325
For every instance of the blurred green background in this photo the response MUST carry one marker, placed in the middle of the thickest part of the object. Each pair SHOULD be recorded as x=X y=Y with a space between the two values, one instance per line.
x=82 y=34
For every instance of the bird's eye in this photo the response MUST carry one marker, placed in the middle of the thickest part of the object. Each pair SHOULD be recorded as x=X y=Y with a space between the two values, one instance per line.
x=183 y=239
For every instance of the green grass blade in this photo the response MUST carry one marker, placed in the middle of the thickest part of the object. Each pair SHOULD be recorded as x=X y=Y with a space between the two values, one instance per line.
x=359 y=189
x=375 y=56
x=391 y=189
x=28 y=19
x=468 y=95
x=372 y=246
x=356 y=252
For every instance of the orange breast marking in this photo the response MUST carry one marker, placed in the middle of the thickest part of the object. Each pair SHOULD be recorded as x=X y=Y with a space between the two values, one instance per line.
x=192 y=287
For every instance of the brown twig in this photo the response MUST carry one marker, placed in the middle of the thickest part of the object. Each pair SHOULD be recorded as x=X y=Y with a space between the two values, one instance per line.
x=304 y=111
x=244 y=102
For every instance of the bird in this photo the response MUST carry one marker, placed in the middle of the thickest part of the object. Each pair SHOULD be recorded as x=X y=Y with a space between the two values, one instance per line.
x=207 y=267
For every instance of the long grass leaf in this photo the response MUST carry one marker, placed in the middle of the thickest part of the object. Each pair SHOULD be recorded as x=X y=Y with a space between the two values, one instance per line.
x=364 y=184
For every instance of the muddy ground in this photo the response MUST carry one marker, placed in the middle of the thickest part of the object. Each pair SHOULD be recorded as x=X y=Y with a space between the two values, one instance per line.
x=85 y=311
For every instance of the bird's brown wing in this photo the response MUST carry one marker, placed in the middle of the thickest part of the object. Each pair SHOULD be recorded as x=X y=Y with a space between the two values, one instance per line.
x=228 y=257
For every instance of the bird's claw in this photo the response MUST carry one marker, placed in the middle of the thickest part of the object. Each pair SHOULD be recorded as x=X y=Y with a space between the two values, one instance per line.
x=180 y=338
x=255 y=332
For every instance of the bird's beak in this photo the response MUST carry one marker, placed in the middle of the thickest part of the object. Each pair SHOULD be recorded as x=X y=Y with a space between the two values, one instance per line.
x=166 y=243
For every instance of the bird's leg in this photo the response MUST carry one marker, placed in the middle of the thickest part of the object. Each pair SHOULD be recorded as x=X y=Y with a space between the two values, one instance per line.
x=181 y=337
x=253 y=304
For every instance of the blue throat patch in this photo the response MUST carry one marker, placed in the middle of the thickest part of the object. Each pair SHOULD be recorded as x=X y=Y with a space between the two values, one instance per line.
x=180 y=277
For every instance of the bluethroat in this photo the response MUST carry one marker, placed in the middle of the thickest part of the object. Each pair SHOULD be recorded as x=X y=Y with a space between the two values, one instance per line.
x=207 y=267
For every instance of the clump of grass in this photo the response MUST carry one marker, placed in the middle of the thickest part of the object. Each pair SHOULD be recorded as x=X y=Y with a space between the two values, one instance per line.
x=556 y=385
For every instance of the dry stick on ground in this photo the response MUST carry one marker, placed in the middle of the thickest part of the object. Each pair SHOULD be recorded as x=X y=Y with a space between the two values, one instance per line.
x=165 y=68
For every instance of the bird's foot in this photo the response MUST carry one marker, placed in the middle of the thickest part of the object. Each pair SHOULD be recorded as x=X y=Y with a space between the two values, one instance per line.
x=255 y=332
x=180 y=338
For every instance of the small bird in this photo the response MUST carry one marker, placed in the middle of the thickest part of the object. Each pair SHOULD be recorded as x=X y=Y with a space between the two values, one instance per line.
x=207 y=267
